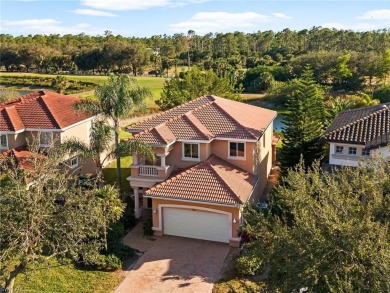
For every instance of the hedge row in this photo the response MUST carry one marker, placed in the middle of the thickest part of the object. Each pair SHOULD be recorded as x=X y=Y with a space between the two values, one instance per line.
x=38 y=81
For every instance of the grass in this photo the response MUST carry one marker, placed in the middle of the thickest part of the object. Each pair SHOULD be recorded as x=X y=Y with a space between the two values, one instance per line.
x=155 y=84
x=55 y=277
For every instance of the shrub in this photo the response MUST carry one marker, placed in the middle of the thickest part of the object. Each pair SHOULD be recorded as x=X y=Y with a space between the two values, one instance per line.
x=248 y=264
x=382 y=93
x=128 y=218
x=116 y=231
x=120 y=250
x=107 y=262
x=148 y=224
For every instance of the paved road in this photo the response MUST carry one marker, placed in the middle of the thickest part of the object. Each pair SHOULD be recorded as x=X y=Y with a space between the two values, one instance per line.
x=176 y=264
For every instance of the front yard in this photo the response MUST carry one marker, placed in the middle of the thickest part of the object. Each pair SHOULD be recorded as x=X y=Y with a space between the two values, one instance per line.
x=66 y=278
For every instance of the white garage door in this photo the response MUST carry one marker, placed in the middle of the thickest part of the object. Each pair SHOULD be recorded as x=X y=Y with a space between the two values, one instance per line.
x=196 y=224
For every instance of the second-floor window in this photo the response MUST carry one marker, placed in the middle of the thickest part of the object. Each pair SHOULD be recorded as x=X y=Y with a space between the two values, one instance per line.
x=339 y=149
x=352 y=151
x=236 y=149
x=3 y=141
x=46 y=138
x=191 y=151
x=365 y=152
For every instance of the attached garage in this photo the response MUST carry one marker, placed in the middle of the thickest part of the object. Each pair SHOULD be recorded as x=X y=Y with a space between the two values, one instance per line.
x=196 y=224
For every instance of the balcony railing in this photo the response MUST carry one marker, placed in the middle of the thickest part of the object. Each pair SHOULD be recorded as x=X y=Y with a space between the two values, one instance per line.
x=146 y=170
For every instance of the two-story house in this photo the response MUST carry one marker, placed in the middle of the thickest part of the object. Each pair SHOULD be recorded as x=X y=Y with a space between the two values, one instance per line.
x=357 y=134
x=213 y=157
x=46 y=118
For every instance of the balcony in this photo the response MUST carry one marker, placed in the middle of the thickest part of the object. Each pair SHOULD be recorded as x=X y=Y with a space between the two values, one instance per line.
x=150 y=172
x=145 y=170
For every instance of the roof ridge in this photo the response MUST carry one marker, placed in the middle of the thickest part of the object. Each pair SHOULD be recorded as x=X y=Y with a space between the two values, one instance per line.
x=170 y=110
x=7 y=109
x=219 y=176
x=238 y=123
x=385 y=108
x=193 y=124
x=42 y=101
x=21 y=99
x=177 y=176
x=177 y=117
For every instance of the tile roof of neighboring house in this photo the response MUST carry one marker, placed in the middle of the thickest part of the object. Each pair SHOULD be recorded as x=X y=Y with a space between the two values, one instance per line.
x=205 y=118
x=212 y=181
x=40 y=110
x=21 y=155
x=369 y=126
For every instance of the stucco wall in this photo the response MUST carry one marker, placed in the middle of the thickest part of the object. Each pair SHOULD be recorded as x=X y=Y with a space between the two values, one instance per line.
x=235 y=211
x=353 y=160
x=175 y=157
x=80 y=132
x=221 y=149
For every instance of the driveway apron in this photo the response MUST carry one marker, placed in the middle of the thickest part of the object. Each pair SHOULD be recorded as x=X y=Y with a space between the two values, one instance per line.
x=176 y=264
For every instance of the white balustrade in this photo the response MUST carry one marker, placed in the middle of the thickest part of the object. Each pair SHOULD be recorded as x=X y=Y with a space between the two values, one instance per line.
x=145 y=170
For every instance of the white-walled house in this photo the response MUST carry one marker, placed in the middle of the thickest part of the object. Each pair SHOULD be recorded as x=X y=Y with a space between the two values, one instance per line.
x=358 y=134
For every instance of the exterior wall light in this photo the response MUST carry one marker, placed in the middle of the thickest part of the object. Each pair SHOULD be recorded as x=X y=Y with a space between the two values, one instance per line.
x=155 y=211
x=234 y=220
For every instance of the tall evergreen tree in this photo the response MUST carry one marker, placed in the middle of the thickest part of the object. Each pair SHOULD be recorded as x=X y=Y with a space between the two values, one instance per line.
x=305 y=122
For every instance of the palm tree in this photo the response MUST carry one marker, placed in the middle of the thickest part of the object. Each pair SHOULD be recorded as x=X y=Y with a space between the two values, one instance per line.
x=118 y=97
x=100 y=142
x=60 y=84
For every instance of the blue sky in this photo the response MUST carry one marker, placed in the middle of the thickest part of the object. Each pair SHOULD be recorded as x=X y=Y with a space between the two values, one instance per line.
x=144 y=18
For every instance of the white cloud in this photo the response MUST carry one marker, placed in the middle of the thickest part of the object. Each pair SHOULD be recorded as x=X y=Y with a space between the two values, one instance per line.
x=204 y=22
x=93 y=12
x=130 y=4
x=49 y=26
x=281 y=15
x=381 y=14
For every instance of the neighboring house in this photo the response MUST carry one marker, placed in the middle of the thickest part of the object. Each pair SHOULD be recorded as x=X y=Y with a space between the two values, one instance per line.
x=357 y=134
x=213 y=157
x=47 y=117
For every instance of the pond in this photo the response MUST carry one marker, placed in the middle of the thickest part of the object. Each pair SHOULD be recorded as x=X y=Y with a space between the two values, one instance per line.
x=278 y=122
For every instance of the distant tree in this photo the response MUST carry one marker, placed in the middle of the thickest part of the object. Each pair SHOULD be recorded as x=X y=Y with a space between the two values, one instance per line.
x=118 y=97
x=193 y=85
x=60 y=84
x=54 y=217
x=258 y=79
x=304 y=124
x=323 y=232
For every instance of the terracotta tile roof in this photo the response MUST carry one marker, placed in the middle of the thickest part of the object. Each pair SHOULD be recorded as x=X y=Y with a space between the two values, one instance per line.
x=213 y=181
x=21 y=155
x=209 y=117
x=369 y=126
x=40 y=110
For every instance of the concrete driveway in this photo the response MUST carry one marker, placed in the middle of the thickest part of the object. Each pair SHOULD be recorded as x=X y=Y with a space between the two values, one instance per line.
x=176 y=264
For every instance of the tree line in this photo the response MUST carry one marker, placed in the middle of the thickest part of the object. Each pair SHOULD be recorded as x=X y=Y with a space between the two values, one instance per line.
x=103 y=53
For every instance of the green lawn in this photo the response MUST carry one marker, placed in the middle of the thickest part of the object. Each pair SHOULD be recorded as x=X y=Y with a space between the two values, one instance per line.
x=155 y=84
x=54 y=277
x=109 y=173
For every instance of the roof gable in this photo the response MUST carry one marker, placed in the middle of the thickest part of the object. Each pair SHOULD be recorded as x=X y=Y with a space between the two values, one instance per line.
x=213 y=181
x=209 y=117
x=40 y=110
x=369 y=126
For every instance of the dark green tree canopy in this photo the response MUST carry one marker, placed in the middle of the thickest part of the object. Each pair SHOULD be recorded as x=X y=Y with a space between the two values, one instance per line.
x=305 y=122
x=193 y=85
x=326 y=232
x=45 y=213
